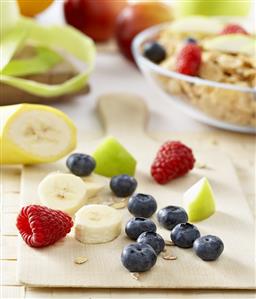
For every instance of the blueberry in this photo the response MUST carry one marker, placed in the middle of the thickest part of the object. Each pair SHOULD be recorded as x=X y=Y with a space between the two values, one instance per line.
x=170 y=216
x=80 y=164
x=153 y=239
x=139 y=225
x=184 y=234
x=154 y=52
x=138 y=257
x=142 y=205
x=123 y=185
x=191 y=40
x=208 y=248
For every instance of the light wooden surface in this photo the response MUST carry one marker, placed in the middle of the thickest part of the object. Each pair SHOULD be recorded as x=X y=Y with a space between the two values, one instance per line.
x=239 y=147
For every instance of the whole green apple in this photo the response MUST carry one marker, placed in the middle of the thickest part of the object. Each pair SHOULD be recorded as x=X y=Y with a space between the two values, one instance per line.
x=199 y=201
x=212 y=7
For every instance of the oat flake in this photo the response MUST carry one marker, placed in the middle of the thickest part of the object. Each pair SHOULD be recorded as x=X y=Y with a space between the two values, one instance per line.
x=80 y=260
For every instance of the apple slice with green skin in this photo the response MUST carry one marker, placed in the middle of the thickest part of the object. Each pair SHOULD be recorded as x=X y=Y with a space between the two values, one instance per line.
x=232 y=43
x=197 y=24
x=250 y=48
x=199 y=201
x=113 y=159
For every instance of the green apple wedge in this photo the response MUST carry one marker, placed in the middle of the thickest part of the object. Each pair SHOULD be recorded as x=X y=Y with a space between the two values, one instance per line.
x=198 y=201
x=113 y=159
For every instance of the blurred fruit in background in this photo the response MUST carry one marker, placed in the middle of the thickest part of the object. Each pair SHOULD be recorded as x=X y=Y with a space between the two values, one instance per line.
x=136 y=17
x=233 y=28
x=212 y=7
x=94 y=18
x=30 y=8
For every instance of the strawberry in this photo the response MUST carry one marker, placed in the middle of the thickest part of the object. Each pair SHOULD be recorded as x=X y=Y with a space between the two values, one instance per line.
x=189 y=59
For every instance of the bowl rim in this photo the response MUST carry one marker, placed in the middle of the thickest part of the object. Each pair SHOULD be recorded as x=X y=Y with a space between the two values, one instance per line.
x=147 y=34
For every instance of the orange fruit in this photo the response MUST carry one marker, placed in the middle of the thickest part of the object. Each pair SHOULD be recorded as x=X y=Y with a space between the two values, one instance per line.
x=30 y=8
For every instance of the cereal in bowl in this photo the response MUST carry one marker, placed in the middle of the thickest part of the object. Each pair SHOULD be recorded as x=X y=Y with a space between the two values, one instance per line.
x=221 y=55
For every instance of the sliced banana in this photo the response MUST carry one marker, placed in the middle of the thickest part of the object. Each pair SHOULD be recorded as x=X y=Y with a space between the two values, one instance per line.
x=63 y=191
x=95 y=178
x=97 y=224
x=35 y=134
x=95 y=185
x=92 y=189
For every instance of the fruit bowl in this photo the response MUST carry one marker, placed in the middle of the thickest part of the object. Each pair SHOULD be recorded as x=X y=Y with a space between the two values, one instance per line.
x=223 y=105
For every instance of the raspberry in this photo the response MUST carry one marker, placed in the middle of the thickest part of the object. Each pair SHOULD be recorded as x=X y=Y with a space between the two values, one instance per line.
x=174 y=159
x=40 y=226
x=189 y=59
x=233 y=28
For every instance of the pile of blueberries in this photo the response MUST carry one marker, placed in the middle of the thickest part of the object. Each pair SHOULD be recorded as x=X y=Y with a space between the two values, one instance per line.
x=142 y=255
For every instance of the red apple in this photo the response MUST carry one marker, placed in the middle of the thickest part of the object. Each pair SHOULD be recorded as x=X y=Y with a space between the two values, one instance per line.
x=136 y=17
x=93 y=17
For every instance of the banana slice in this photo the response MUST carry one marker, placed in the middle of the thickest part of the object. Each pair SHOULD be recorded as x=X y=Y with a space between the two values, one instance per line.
x=96 y=178
x=92 y=189
x=95 y=184
x=62 y=191
x=97 y=224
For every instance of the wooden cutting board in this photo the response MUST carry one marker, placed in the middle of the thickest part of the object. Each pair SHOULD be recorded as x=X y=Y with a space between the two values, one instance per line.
x=124 y=116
